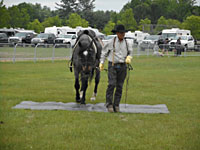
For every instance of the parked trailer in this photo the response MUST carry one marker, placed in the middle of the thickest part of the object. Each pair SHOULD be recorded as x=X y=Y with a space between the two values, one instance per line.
x=172 y=33
x=60 y=30
x=139 y=36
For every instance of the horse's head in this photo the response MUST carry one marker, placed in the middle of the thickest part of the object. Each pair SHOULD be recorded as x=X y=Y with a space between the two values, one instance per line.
x=87 y=51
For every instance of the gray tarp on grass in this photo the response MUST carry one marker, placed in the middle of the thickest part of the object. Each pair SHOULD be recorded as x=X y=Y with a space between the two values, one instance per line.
x=99 y=107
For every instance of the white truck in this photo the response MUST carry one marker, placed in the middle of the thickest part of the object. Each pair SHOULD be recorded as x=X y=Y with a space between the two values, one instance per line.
x=186 y=40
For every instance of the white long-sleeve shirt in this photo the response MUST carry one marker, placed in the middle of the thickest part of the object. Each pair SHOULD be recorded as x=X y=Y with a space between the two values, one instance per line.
x=121 y=51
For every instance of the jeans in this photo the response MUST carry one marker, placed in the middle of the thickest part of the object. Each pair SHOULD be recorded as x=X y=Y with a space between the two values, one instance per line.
x=116 y=77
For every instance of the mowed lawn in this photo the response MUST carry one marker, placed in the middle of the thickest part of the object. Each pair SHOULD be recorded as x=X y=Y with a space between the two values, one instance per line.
x=174 y=81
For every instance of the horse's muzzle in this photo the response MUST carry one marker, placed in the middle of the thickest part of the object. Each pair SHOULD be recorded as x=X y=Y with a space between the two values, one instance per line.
x=86 y=69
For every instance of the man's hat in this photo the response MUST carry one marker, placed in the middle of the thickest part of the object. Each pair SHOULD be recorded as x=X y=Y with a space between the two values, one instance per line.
x=119 y=28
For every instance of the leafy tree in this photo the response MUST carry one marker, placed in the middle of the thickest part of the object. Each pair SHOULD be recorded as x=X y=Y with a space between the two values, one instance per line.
x=24 y=18
x=192 y=23
x=142 y=11
x=184 y=9
x=15 y=20
x=174 y=23
x=128 y=20
x=36 y=26
x=196 y=10
x=66 y=7
x=119 y=22
x=41 y=14
x=4 y=16
x=52 y=21
x=85 y=5
x=99 y=19
x=108 y=28
x=81 y=7
x=161 y=24
x=30 y=10
x=144 y=25
x=76 y=20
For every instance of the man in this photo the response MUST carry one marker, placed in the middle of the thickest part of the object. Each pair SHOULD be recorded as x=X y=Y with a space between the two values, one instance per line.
x=118 y=52
x=178 y=47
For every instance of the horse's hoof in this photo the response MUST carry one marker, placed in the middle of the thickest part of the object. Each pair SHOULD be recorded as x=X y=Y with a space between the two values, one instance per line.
x=93 y=98
x=83 y=106
x=83 y=102
x=78 y=100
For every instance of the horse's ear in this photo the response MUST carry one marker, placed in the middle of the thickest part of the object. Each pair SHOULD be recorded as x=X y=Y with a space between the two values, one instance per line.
x=86 y=32
x=92 y=33
x=79 y=33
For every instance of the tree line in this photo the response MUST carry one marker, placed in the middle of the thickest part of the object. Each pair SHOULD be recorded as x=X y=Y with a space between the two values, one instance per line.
x=135 y=15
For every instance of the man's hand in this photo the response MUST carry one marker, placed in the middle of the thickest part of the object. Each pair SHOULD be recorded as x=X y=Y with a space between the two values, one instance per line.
x=128 y=59
x=101 y=66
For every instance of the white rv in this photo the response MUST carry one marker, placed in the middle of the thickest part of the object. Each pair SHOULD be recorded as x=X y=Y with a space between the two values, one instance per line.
x=98 y=34
x=139 y=36
x=60 y=30
x=172 y=33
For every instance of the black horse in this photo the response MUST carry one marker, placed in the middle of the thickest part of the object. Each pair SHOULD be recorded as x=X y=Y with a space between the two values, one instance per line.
x=85 y=59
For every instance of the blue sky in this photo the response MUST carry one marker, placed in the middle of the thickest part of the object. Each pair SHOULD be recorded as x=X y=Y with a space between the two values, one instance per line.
x=115 y=5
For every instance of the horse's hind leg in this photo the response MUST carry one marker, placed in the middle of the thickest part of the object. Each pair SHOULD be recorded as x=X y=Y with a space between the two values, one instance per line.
x=97 y=79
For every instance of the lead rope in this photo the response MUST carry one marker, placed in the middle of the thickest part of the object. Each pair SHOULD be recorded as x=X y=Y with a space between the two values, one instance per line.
x=129 y=67
x=127 y=81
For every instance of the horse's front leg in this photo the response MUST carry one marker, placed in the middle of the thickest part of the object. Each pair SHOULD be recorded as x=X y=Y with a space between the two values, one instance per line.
x=84 y=86
x=97 y=79
x=77 y=87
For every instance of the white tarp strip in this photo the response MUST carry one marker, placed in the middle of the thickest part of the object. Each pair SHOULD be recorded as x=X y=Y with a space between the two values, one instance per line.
x=99 y=107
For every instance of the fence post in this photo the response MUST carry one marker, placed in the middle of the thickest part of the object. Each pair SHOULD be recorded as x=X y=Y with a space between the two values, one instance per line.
x=185 y=49
x=148 y=49
x=138 y=50
x=14 y=53
x=35 y=53
x=53 y=54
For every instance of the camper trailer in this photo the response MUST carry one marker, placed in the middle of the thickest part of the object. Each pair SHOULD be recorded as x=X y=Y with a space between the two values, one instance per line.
x=139 y=36
x=172 y=33
x=60 y=30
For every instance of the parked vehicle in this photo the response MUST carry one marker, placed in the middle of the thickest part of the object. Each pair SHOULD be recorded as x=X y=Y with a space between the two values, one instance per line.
x=22 y=37
x=60 y=30
x=186 y=40
x=66 y=39
x=3 y=38
x=45 y=38
x=131 y=37
x=149 y=42
x=139 y=36
x=8 y=32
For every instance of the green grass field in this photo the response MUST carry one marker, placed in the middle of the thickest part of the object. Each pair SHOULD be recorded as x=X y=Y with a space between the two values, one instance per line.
x=174 y=81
